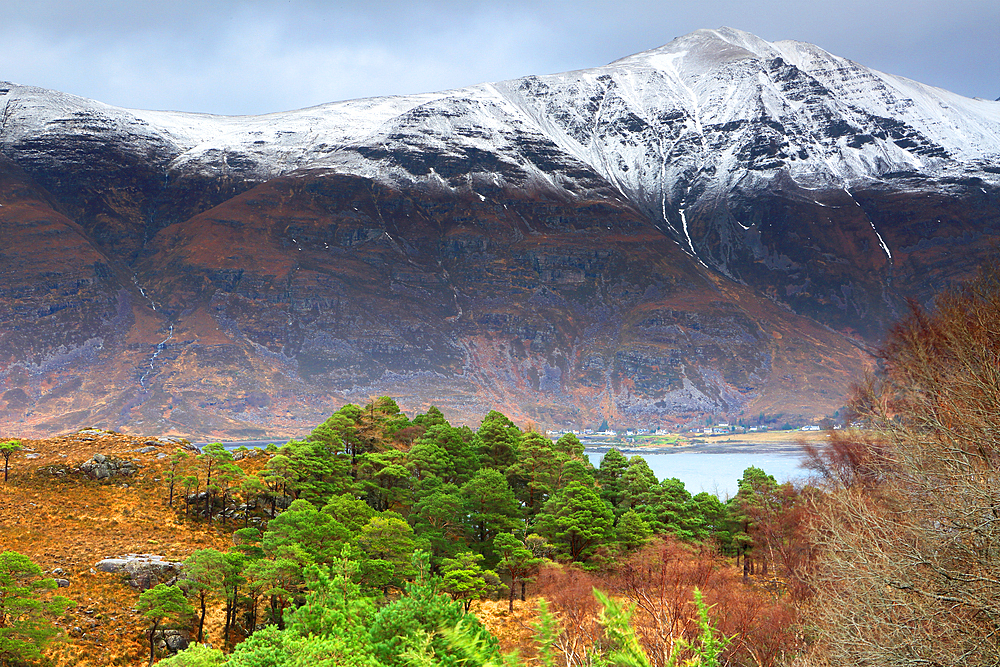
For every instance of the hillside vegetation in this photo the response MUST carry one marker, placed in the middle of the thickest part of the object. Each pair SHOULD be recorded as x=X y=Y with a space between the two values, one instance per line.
x=56 y=512
x=384 y=541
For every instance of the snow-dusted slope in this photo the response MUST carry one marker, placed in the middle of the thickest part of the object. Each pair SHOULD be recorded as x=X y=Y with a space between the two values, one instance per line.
x=675 y=131
x=719 y=108
x=716 y=102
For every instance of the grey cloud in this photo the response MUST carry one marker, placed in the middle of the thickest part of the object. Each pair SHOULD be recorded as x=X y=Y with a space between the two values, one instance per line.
x=256 y=57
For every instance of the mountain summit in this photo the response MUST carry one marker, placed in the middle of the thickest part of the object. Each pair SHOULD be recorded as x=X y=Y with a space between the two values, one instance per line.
x=717 y=226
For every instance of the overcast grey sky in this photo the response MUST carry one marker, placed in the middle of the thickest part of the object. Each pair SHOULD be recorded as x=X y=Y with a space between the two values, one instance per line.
x=255 y=57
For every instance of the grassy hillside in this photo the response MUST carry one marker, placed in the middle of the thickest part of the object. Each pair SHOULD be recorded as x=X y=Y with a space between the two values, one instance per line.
x=62 y=519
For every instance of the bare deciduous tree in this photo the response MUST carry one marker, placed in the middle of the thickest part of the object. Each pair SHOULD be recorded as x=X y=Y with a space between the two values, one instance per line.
x=908 y=537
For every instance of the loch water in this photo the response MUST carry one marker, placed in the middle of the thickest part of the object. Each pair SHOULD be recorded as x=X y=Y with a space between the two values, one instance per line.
x=715 y=468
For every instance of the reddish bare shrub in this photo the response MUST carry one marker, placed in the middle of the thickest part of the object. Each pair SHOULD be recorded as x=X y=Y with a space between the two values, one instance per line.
x=570 y=593
x=659 y=581
x=849 y=459
x=764 y=630
x=908 y=571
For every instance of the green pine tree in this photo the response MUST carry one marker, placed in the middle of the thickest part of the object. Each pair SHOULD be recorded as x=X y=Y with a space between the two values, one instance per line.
x=163 y=605
x=7 y=449
x=576 y=520
x=26 y=609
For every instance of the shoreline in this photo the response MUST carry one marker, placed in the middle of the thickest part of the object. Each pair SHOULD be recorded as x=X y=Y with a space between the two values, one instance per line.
x=784 y=440
x=707 y=448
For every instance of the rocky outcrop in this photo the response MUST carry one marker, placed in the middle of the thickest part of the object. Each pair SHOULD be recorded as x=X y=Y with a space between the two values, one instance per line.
x=60 y=581
x=102 y=467
x=173 y=640
x=143 y=570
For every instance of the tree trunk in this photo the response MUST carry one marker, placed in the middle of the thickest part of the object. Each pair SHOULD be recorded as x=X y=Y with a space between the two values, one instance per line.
x=208 y=493
x=277 y=614
x=152 y=647
x=228 y=624
x=201 y=621
x=510 y=606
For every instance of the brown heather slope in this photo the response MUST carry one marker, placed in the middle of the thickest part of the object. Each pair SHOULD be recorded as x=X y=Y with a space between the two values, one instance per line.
x=554 y=312
x=260 y=316
x=71 y=522
x=65 y=520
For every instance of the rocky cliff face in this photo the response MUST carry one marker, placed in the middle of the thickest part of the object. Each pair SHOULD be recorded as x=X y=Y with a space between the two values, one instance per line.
x=716 y=226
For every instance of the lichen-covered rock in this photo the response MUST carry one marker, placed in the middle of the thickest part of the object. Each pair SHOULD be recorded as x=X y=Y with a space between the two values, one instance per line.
x=239 y=455
x=175 y=440
x=102 y=467
x=111 y=565
x=175 y=640
x=143 y=570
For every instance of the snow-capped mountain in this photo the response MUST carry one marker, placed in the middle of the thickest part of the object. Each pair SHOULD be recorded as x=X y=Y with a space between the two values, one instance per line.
x=671 y=129
x=778 y=170
x=701 y=112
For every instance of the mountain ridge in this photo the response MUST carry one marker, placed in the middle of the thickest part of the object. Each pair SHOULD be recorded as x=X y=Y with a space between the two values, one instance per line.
x=530 y=228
